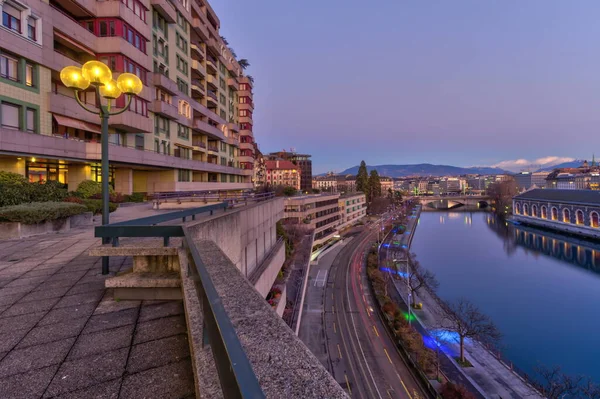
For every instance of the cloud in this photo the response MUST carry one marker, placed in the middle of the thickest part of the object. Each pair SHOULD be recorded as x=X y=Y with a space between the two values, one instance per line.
x=517 y=165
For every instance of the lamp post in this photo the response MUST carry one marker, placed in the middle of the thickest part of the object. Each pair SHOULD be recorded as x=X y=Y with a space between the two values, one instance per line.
x=99 y=76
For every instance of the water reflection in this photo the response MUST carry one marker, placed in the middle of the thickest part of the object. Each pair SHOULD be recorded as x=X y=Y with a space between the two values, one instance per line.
x=577 y=251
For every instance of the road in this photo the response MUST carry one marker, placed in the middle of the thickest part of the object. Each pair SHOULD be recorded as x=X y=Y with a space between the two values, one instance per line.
x=362 y=355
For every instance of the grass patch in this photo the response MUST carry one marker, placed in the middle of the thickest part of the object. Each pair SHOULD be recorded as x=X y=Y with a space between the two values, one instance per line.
x=466 y=363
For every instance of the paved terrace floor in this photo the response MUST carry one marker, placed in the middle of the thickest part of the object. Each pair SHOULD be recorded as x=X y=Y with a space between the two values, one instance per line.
x=63 y=336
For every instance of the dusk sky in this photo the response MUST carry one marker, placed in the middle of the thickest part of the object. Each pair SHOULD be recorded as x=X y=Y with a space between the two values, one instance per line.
x=449 y=82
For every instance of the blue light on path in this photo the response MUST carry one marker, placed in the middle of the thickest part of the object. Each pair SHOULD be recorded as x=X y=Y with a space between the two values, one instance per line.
x=388 y=270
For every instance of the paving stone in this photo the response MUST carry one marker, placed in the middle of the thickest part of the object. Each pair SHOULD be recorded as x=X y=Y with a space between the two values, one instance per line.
x=87 y=287
x=19 y=322
x=9 y=339
x=108 y=304
x=102 y=341
x=43 y=294
x=68 y=313
x=9 y=291
x=105 y=390
x=21 y=308
x=48 y=285
x=110 y=320
x=43 y=272
x=158 y=353
x=35 y=357
x=53 y=332
x=8 y=300
x=88 y=371
x=172 y=381
x=159 y=328
x=27 y=385
x=79 y=299
x=26 y=281
x=72 y=276
x=162 y=309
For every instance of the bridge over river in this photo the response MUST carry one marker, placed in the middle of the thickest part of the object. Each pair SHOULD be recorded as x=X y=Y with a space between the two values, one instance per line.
x=468 y=202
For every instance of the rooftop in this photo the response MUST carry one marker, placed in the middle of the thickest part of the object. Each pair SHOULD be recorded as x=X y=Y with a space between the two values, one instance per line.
x=280 y=165
x=586 y=197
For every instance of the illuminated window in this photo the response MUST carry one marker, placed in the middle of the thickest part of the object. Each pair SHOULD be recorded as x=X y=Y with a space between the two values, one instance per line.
x=566 y=216
x=554 y=213
x=579 y=219
x=594 y=220
x=184 y=109
x=544 y=212
x=525 y=209
x=534 y=211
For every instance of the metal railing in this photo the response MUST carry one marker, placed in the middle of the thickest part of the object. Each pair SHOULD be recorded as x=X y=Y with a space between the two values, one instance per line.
x=206 y=196
x=233 y=367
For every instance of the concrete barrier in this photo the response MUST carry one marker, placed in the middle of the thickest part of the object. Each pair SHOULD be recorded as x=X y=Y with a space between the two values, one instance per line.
x=16 y=230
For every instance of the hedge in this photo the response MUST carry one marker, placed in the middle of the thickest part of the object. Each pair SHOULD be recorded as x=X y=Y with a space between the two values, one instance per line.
x=90 y=188
x=38 y=212
x=95 y=206
x=15 y=190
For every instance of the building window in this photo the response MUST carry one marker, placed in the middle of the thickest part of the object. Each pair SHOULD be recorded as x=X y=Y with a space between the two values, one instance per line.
x=181 y=22
x=11 y=18
x=579 y=219
x=554 y=213
x=31 y=120
x=182 y=86
x=182 y=65
x=185 y=109
x=594 y=220
x=31 y=22
x=9 y=67
x=137 y=7
x=156 y=146
x=534 y=211
x=544 y=212
x=183 y=175
x=566 y=216
x=10 y=114
x=30 y=75
x=183 y=131
x=160 y=24
x=182 y=44
x=525 y=209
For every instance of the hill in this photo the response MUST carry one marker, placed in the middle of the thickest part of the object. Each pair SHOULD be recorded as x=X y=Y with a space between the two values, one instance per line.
x=426 y=169
x=573 y=164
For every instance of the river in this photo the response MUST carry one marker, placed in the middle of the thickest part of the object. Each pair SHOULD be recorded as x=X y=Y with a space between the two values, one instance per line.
x=541 y=289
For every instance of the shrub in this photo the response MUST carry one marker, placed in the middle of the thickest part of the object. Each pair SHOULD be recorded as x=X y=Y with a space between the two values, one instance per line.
x=47 y=191
x=74 y=200
x=453 y=391
x=89 y=188
x=135 y=197
x=12 y=178
x=13 y=194
x=16 y=190
x=38 y=212
x=95 y=206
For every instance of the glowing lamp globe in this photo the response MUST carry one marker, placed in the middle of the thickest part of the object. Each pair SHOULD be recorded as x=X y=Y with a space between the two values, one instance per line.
x=96 y=72
x=72 y=78
x=129 y=83
x=110 y=90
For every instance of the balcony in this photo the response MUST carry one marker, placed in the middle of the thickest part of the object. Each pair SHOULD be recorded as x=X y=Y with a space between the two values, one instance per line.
x=213 y=83
x=118 y=45
x=167 y=110
x=247 y=146
x=247 y=106
x=212 y=99
x=214 y=45
x=211 y=64
x=246 y=119
x=199 y=144
x=200 y=28
x=213 y=148
x=232 y=83
x=197 y=50
x=207 y=128
x=165 y=9
x=234 y=127
x=197 y=89
x=164 y=83
x=246 y=158
x=198 y=69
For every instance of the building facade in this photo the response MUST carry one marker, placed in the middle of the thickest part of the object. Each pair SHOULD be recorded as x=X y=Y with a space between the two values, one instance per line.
x=320 y=212
x=569 y=211
x=334 y=183
x=352 y=208
x=282 y=173
x=387 y=183
x=190 y=128
x=303 y=161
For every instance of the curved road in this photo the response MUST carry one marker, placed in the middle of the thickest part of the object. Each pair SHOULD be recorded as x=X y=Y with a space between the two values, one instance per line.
x=361 y=352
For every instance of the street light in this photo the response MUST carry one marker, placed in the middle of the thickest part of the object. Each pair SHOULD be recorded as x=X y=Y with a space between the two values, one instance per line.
x=99 y=75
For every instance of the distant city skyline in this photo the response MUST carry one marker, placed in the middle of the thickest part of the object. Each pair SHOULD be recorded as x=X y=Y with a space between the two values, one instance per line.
x=465 y=83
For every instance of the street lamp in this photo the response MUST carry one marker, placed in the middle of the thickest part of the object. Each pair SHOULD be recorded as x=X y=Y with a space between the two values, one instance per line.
x=99 y=75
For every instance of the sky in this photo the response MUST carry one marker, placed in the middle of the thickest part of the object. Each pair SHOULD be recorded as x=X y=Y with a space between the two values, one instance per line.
x=461 y=82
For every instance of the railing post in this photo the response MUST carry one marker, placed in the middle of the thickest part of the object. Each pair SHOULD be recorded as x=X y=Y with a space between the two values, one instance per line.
x=115 y=241
x=166 y=241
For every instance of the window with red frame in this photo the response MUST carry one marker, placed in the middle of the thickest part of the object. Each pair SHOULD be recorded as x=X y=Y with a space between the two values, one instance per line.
x=137 y=7
x=120 y=63
x=108 y=27
x=243 y=112
x=138 y=105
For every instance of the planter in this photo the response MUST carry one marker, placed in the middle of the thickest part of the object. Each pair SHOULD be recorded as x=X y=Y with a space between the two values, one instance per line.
x=12 y=230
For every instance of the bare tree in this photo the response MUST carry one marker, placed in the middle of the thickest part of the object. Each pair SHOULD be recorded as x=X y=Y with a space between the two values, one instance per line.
x=590 y=390
x=419 y=278
x=465 y=319
x=502 y=193
x=555 y=384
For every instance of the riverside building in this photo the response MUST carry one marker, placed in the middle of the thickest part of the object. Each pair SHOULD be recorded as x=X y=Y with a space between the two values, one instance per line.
x=189 y=129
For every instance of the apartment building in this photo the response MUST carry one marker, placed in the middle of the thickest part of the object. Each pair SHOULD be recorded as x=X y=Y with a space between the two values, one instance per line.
x=320 y=212
x=332 y=182
x=189 y=129
x=282 y=173
x=303 y=161
x=387 y=183
x=352 y=207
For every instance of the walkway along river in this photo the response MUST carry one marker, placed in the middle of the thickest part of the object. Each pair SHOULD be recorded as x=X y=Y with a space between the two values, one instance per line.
x=541 y=289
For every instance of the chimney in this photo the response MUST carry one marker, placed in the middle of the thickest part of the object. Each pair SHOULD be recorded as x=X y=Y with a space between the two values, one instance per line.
x=277 y=164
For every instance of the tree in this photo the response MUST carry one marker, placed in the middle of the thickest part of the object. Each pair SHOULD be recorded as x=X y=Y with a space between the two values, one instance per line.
x=418 y=278
x=374 y=185
x=250 y=78
x=362 y=179
x=454 y=391
x=554 y=384
x=465 y=319
x=225 y=40
x=232 y=51
x=590 y=390
x=244 y=63
x=390 y=193
x=502 y=193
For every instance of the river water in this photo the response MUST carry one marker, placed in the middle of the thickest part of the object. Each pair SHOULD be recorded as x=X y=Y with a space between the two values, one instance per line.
x=541 y=289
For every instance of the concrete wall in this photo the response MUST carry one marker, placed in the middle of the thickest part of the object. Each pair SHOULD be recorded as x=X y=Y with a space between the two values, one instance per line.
x=570 y=228
x=264 y=282
x=246 y=235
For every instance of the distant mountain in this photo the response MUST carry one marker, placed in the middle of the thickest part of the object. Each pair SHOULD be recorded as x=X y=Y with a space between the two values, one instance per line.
x=427 y=169
x=573 y=164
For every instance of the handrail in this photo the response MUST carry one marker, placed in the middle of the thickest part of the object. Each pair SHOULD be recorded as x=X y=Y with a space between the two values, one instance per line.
x=237 y=378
